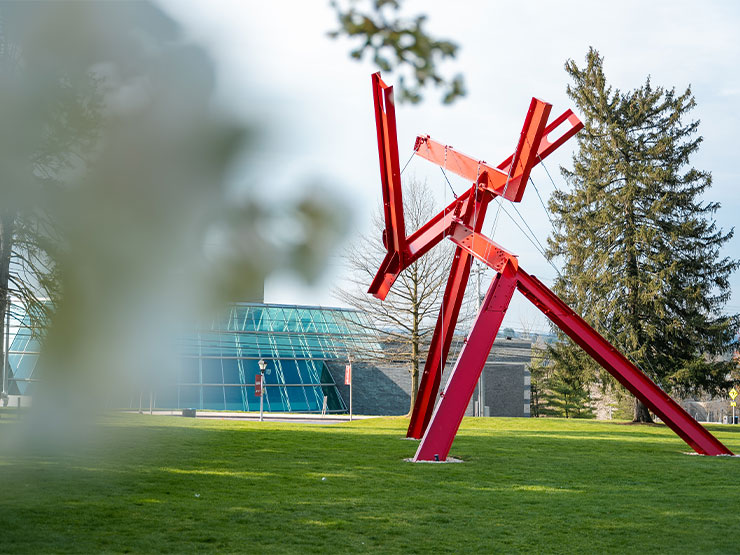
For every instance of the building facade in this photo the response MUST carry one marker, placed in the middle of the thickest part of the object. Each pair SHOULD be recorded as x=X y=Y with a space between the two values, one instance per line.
x=306 y=349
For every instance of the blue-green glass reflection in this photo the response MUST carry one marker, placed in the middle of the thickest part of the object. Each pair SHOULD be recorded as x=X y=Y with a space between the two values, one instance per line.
x=218 y=362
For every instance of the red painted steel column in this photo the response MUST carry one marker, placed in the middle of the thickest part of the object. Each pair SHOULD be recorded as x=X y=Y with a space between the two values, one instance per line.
x=631 y=377
x=444 y=330
x=440 y=344
x=436 y=443
x=394 y=235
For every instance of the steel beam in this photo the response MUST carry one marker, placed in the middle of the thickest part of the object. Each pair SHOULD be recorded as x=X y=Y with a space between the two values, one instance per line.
x=444 y=330
x=626 y=373
x=438 y=438
x=394 y=235
x=426 y=237
x=560 y=129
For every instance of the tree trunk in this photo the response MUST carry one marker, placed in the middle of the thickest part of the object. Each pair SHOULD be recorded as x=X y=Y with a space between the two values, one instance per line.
x=415 y=347
x=7 y=224
x=414 y=381
x=642 y=414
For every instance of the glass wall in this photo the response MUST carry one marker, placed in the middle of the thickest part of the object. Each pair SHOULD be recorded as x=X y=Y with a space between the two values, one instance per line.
x=218 y=363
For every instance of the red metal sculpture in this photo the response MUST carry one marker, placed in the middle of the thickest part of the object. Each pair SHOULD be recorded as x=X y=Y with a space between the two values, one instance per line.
x=461 y=222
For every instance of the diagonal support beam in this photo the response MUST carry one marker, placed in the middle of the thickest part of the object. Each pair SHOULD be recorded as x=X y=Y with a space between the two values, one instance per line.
x=446 y=322
x=548 y=140
x=436 y=443
x=491 y=179
x=614 y=362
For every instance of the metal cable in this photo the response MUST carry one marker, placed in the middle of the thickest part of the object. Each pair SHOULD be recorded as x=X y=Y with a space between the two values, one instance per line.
x=408 y=162
x=539 y=248
x=448 y=183
x=548 y=173
x=547 y=212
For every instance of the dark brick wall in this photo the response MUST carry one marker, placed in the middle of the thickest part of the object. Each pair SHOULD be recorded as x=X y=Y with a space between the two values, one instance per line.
x=507 y=378
x=376 y=390
x=385 y=390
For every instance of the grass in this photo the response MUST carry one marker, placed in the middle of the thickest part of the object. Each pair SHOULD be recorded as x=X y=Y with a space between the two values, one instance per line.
x=168 y=484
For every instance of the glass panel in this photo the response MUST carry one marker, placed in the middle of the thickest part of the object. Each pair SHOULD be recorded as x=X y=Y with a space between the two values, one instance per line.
x=21 y=339
x=291 y=320
x=254 y=319
x=252 y=400
x=209 y=344
x=275 y=320
x=231 y=372
x=331 y=322
x=189 y=397
x=274 y=400
x=212 y=372
x=213 y=398
x=307 y=324
x=318 y=320
x=334 y=401
x=233 y=397
x=315 y=398
x=305 y=375
x=290 y=371
x=247 y=345
x=313 y=345
x=190 y=370
x=297 y=397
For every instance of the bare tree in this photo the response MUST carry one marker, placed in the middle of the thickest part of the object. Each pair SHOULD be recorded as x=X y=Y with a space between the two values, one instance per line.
x=405 y=320
x=57 y=136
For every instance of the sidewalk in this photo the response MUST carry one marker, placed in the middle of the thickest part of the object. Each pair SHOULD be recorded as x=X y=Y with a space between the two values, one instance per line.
x=307 y=418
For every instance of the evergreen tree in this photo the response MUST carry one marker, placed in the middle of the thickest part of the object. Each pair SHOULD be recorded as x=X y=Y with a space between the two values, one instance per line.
x=539 y=367
x=566 y=397
x=564 y=389
x=640 y=247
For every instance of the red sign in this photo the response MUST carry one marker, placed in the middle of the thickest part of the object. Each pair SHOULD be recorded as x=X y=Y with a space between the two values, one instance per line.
x=348 y=374
x=258 y=385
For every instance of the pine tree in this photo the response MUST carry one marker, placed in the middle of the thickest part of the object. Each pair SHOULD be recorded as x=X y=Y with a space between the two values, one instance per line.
x=640 y=247
x=566 y=397
x=565 y=387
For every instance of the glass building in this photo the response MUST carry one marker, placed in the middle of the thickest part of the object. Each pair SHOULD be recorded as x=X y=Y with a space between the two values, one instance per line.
x=218 y=363
x=23 y=352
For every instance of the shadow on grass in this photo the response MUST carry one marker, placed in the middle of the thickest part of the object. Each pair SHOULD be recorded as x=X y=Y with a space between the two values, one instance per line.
x=179 y=486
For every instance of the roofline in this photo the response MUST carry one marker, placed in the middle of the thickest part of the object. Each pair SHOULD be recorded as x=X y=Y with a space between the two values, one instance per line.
x=280 y=305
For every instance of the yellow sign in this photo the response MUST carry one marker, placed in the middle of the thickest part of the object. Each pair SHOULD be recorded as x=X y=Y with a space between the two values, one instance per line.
x=733 y=393
x=733 y=404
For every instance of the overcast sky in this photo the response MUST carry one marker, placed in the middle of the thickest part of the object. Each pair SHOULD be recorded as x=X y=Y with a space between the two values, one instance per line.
x=277 y=67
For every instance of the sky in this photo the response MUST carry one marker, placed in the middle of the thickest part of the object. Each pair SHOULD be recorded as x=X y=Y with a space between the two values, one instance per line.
x=312 y=103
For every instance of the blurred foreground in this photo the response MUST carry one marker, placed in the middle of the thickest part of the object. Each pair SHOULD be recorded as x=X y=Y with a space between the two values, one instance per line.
x=117 y=203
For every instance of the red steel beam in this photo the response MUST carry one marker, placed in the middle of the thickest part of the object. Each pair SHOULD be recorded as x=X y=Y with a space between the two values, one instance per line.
x=417 y=244
x=642 y=387
x=394 y=235
x=525 y=155
x=426 y=237
x=438 y=438
x=480 y=246
x=476 y=170
x=444 y=330
x=582 y=334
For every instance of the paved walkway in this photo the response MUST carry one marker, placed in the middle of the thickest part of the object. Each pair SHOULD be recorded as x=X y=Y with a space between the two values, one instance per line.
x=268 y=416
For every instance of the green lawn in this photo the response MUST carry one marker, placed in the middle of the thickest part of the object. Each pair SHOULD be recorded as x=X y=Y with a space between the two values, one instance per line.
x=168 y=484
